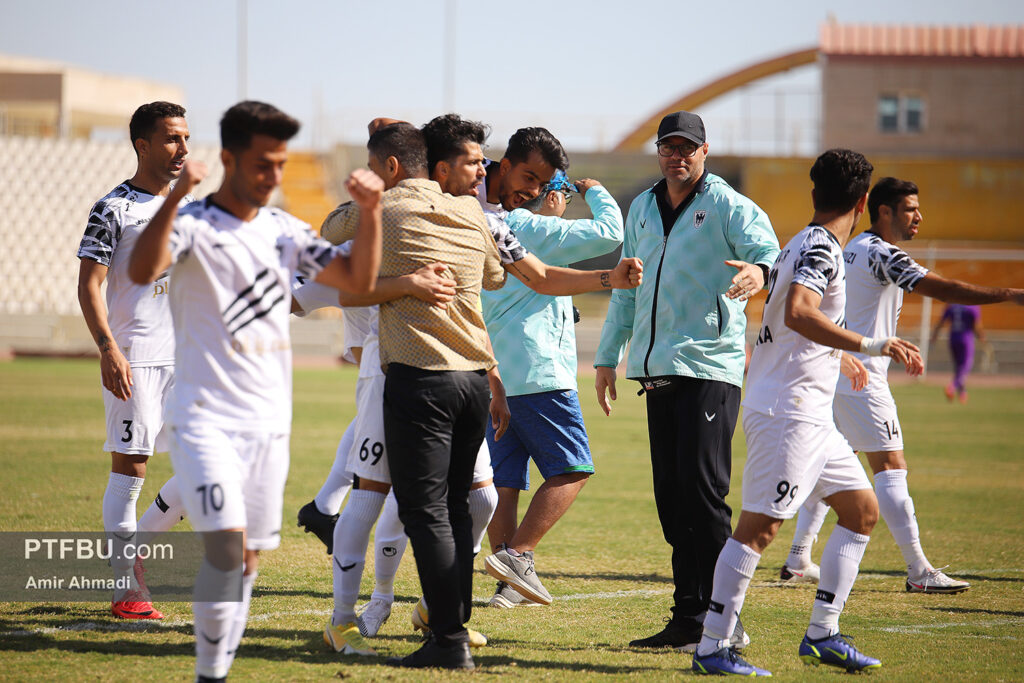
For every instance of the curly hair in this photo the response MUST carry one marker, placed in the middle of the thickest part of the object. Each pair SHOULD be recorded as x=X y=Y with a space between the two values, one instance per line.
x=446 y=137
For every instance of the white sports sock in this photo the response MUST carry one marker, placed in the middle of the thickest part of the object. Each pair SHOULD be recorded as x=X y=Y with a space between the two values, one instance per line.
x=213 y=624
x=482 y=504
x=339 y=480
x=241 y=616
x=351 y=536
x=119 y=517
x=840 y=562
x=165 y=511
x=389 y=541
x=733 y=571
x=808 y=524
x=897 y=508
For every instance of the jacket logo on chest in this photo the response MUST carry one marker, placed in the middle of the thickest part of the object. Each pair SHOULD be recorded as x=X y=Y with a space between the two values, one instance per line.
x=698 y=218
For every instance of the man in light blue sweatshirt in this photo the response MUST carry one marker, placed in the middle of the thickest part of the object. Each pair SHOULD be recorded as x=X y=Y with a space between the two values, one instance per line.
x=535 y=344
x=708 y=249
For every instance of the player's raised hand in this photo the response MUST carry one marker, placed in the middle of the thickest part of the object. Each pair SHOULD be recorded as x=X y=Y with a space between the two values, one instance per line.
x=430 y=284
x=584 y=184
x=605 y=380
x=748 y=281
x=851 y=367
x=193 y=171
x=906 y=353
x=628 y=274
x=366 y=188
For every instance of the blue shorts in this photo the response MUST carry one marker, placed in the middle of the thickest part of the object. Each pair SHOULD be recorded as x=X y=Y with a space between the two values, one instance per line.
x=547 y=427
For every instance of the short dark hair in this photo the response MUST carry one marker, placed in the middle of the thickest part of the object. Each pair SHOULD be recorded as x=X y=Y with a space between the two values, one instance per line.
x=144 y=119
x=446 y=137
x=527 y=140
x=889 y=192
x=403 y=141
x=250 y=118
x=841 y=177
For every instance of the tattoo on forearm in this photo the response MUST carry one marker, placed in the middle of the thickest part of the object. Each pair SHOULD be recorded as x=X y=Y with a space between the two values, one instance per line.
x=103 y=342
x=519 y=272
x=606 y=279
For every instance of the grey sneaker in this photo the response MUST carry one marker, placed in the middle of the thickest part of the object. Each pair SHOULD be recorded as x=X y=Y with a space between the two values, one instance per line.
x=372 y=616
x=506 y=598
x=519 y=573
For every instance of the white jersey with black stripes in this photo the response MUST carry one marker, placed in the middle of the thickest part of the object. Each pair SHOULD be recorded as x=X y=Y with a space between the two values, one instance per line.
x=790 y=375
x=230 y=301
x=877 y=274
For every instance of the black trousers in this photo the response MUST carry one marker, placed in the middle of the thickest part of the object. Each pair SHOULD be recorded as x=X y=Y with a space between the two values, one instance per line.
x=690 y=428
x=434 y=423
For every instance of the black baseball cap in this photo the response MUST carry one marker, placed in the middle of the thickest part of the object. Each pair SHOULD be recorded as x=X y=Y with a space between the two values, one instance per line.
x=684 y=124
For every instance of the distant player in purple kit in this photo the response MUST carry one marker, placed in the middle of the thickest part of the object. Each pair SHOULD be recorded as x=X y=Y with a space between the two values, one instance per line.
x=878 y=272
x=964 y=325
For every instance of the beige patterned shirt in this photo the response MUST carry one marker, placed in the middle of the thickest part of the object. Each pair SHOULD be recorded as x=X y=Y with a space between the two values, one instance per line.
x=422 y=225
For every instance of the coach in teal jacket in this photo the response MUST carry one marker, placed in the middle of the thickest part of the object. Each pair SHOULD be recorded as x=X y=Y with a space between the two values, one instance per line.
x=708 y=249
x=535 y=343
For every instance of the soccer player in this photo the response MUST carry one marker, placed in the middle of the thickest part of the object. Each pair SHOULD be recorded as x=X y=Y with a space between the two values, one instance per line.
x=877 y=274
x=794 y=451
x=132 y=329
x=964 y=325
x=230 y=415
x=535 y=344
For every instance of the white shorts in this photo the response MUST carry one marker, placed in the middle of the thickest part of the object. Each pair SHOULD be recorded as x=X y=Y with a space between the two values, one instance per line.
x=790 y=461
x=232 y=480
x=869 y=421
x=135 y=426
x=368 y=458
x=482 y=468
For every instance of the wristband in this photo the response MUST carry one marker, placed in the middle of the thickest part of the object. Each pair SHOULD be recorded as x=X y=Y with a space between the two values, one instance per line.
x=870 y=346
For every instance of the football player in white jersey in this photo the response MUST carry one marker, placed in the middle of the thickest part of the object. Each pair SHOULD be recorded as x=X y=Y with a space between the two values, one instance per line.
x=132 y=328
x=878 y=272
x=230 y=413
x=794 y=451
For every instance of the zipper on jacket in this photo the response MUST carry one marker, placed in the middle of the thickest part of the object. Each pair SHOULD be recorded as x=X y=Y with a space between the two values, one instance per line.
x=657 y=284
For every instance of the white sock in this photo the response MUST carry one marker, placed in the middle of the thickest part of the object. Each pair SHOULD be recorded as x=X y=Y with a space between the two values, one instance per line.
x=119 y=518
x=389 y=541
x=241 y=616
x=808 y=524
x=213 y=624
x=482 y=504
x=165 y=511
x=339 y=480
x=351 y=536
x=733 y=571
x=840 y=562
x=897 y=508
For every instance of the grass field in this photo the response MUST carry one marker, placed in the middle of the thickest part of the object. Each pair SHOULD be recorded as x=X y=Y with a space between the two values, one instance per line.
x=605 y=563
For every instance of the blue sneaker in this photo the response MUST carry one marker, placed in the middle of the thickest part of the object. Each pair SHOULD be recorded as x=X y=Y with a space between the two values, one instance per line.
x=725 y=662
x=836 y=650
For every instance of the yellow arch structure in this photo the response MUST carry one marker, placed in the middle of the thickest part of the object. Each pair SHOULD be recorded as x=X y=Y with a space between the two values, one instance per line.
x=645 y=131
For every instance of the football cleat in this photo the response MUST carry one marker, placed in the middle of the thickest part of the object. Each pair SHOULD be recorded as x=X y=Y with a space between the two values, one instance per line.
x=312 y=520
x=372 y=616
x=935 y=581
x=134 y=605
x=347 y=640
x=809 y=574
x=836 y=650
x=725 y=662
x=420 y=619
